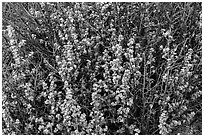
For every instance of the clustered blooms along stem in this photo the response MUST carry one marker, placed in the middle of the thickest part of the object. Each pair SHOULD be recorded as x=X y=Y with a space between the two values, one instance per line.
x=101 y=68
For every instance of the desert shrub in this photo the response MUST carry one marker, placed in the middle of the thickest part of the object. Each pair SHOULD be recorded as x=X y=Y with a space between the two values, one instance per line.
x=101 y=68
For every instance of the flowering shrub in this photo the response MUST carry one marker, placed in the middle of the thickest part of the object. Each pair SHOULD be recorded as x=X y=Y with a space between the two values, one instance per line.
x=101 y=68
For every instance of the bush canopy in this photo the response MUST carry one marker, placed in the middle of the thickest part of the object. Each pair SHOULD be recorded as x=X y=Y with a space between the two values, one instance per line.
x=112 y=68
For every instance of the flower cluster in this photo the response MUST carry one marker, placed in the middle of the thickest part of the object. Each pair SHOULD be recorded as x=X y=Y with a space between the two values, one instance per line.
x=101 y=68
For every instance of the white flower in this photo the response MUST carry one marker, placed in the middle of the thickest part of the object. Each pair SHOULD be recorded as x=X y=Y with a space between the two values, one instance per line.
x=137 y=130
x=46 y=131
x=40 y=127
x=37 y=14
x=168 y=98
x=12 y=42
x=17 y=121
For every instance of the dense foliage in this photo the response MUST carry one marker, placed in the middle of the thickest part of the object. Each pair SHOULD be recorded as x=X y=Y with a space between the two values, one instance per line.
x=102 y=68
